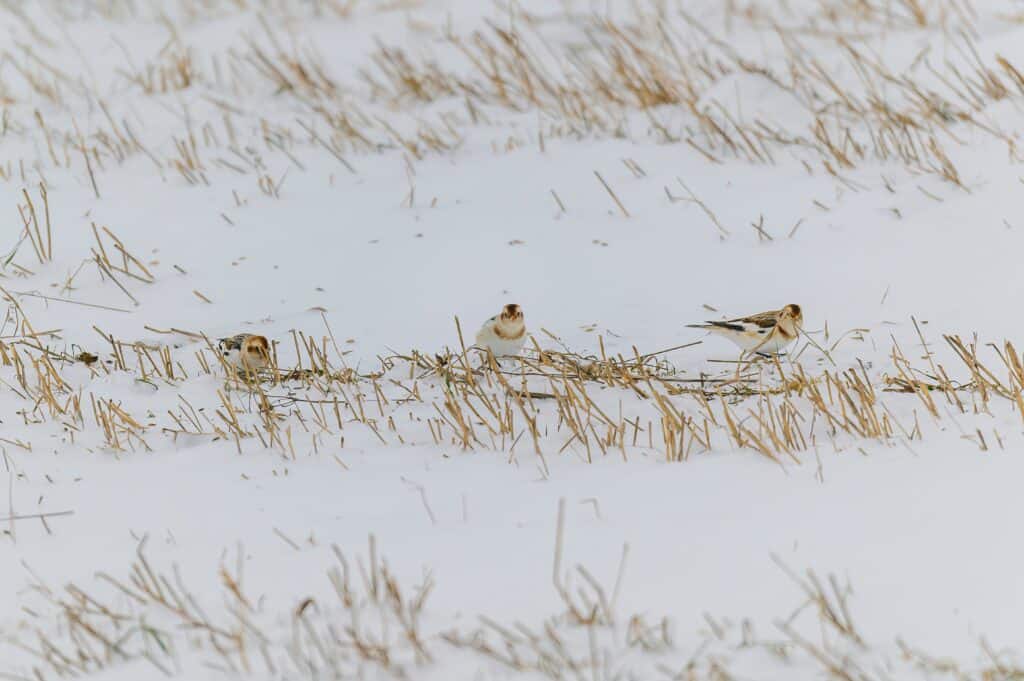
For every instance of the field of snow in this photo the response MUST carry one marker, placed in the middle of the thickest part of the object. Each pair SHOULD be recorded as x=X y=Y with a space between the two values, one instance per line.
x=364 y=182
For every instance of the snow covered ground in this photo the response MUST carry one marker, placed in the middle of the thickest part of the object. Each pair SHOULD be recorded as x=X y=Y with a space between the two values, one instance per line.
x=362 y=181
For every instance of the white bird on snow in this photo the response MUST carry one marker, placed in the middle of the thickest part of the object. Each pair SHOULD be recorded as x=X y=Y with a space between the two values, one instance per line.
x=765 y=333
x=504 y=334
x=245 y=351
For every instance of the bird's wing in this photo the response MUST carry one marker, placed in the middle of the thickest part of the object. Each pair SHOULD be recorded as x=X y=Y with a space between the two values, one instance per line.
x=736 y=326
x=765 y=320
x=755 y=323
x=486 y=329
x=232 y=342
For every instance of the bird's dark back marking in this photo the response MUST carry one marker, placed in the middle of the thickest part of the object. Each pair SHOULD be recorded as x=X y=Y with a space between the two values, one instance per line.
x=765 y=321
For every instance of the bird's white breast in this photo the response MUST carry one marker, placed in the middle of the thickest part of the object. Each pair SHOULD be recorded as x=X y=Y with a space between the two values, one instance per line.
x=487 y=338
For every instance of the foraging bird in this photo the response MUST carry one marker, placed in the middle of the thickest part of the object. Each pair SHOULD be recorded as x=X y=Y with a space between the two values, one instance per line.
x=505 y=334
x=765 y=333
x=245 y=351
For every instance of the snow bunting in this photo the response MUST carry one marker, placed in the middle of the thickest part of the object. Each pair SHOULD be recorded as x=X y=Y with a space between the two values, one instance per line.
x=765 y=333
x=505 y=334
x=245 y=351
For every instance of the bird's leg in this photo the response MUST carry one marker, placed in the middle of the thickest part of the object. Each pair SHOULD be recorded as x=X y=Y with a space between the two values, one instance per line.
x=487 y=356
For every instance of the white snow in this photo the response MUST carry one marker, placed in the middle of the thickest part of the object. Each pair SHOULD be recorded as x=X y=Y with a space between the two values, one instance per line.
x=364 y=214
